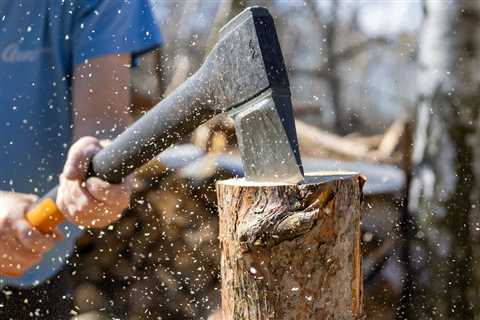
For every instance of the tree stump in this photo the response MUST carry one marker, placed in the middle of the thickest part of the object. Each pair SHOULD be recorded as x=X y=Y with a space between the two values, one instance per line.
x=291 y=251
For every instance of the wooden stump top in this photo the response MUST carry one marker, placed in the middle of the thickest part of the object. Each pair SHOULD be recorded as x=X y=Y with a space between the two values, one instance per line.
x=311 y=178
x=291 y=251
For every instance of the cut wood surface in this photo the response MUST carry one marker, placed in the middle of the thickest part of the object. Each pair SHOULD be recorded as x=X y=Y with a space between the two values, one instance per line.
x=291 y=251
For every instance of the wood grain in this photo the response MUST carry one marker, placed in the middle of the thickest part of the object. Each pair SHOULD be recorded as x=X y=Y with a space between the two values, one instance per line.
x=291 y=251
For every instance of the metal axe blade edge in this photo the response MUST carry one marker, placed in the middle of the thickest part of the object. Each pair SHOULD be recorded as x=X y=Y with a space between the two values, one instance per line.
x=267 y=139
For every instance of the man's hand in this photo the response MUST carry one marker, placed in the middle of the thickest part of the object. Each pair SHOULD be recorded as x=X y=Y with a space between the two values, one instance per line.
x=21 y=246
x=94 y=202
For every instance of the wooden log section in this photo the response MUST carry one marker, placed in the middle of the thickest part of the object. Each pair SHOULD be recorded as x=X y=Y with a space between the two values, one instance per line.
x=291 y=251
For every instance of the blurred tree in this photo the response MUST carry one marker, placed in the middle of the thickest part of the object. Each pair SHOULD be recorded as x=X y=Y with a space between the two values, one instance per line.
x=443 y=193
x=334 y=84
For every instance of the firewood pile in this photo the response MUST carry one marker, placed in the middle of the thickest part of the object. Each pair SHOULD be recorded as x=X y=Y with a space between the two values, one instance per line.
x=218 y=135
x=161 y=260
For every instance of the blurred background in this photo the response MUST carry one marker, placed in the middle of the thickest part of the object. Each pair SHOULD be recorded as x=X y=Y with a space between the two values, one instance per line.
x=372 y=85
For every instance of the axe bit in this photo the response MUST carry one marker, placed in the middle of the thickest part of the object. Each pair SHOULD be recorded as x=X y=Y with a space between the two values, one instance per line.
x=267 y=139
x=243 y=75
x=264 y=125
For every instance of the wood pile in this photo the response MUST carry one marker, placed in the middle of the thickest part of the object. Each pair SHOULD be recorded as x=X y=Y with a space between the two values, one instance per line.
x=161 y=260
x=384 y=148
x=218 y=135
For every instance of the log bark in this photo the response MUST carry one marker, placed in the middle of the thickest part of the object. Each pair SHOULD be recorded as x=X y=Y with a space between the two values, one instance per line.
x=291 y=251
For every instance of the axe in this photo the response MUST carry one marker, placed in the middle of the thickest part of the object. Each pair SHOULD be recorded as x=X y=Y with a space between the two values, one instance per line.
x=245 y=76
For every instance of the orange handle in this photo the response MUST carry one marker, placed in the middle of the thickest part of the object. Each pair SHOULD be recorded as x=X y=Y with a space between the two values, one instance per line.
x=45 y=216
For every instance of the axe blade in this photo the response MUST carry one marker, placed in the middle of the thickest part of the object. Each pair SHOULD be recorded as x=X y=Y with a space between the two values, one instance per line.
x=267 y=139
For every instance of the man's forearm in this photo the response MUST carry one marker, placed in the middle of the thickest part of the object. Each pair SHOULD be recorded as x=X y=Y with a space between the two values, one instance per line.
x=101 y=97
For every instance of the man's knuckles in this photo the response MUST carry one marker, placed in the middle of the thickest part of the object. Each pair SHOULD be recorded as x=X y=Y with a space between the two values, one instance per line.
x=80 y=145
x=79 y=156
x=34 y=241
x=99 y=189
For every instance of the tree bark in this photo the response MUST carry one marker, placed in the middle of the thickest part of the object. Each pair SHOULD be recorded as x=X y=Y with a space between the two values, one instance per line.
x=443 y=193
x=291 y=251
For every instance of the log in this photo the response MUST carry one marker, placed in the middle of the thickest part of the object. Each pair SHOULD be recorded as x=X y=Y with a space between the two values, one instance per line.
x=314 y=140
x=291 y=251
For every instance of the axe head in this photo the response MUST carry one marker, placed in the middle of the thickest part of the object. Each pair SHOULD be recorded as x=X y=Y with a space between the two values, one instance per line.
x=246 y=76
x=256 y=85
x=264 y=121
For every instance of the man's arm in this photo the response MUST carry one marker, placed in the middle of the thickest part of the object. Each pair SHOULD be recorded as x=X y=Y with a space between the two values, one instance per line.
x=101 y=100
x=101 y=97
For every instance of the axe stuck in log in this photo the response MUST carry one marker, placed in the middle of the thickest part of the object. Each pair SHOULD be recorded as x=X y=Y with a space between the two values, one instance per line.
x=245 y=76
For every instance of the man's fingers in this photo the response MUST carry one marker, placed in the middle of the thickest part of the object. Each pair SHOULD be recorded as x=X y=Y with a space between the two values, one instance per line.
x=22 y=246
x=16 y=263
x=57 y=235
x=79 y=156
x=76 y=202
x=73 y=197
x=18 y=253
x=106 y=192
x=105 y=142
x=98 y=188
x=18 y=259
x=33 y=240
x=30 y=198
x=94 y=202
x=18 y=201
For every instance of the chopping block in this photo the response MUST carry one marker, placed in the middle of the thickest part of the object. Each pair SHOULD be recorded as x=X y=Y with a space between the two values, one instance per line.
x=291 y=251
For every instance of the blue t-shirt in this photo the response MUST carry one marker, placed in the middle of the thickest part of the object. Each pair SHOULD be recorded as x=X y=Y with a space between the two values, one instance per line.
x=41 y=42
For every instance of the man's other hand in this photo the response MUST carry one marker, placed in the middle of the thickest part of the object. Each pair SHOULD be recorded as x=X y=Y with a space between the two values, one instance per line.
x=94 y=202
x=21 y=246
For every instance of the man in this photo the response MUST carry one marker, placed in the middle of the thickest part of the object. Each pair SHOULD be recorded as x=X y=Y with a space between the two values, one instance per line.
x=64 y=76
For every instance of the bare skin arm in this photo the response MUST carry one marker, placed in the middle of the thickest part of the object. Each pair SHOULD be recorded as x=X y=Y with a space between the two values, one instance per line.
x=101 y=97
x=101 y=100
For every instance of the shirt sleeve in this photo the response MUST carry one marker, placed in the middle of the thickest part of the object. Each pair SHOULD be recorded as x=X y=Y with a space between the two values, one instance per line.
x=106 y=27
